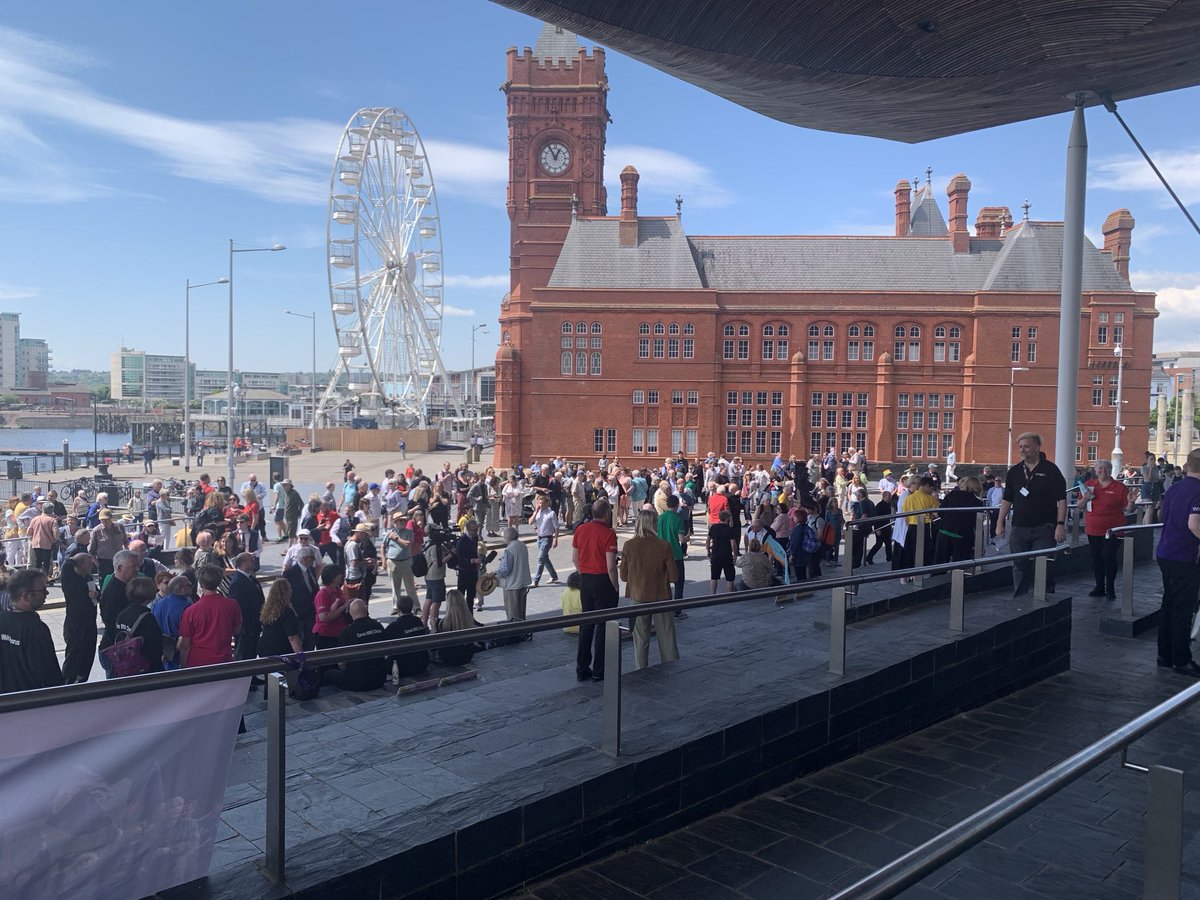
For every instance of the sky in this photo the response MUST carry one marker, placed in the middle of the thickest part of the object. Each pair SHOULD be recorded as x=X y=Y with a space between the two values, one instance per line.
x=138 y=138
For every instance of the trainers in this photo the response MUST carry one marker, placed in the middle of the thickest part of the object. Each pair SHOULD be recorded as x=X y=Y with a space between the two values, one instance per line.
x=1096 y=592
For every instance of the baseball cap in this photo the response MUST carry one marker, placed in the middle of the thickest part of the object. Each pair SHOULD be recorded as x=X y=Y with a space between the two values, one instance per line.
x=373 y=486
x=303 y=532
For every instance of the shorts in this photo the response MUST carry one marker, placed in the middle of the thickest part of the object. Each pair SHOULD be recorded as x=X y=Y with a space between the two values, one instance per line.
x=435 y=590
x=717 y=567
x=279 y=514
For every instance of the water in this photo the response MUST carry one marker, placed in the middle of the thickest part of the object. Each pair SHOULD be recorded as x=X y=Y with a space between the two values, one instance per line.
x=52 y=439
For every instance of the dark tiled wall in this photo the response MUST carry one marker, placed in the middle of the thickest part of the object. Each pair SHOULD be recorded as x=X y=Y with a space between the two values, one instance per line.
x=652 y=796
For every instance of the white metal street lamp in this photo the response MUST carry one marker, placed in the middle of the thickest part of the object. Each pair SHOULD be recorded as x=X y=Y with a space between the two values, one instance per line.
x=229 y=400
x=1012 y=383
x=312 y=317
x=1118 y=457
x=187 y=367
x=482 y=326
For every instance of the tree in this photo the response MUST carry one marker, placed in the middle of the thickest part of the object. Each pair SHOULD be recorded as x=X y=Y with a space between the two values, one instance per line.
x=101 y=393
x=7 y=400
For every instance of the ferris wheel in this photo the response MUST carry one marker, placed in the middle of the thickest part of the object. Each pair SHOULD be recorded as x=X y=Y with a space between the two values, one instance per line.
x=385 y=272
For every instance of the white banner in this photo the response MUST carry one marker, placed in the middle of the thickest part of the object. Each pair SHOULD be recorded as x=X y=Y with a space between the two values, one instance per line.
x=117 y=797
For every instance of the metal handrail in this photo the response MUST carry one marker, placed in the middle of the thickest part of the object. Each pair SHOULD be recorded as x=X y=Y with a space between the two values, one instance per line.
x=220 y=672
x=1122 y=530
x=910 y=868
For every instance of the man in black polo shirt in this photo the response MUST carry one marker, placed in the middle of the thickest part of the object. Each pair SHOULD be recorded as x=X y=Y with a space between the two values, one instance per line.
x=366 y=674
x=1036 y=492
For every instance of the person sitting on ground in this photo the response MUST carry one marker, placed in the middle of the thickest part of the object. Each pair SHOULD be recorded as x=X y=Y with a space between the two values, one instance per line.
x=363 y=674
x=168 y=612
x=27 y=657
x=571 y=603
x=407 y=625
x=458 y=618
x=136 y=621
x=758 y=569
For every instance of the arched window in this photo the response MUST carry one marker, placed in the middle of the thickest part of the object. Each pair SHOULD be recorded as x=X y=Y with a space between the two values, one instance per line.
x=581 y=363
x=955 y=331
x=673 y=328
x=581 y=327
x=852 y=331
x=782 y=331
x=828 y=331
x=728 y=331
x=595 y=363
x=914 y=331
x=566 y=327
x=768 y=331
x=901 y=331
x=814 y=330
x=868 y=331
x=566 y=362
x=659 y=328
x=743 y=331
x=689 y=328
x=595 y=328
x=644 y=328
x=940 y=331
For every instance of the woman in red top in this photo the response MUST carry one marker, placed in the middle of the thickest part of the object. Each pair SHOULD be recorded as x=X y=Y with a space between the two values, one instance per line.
x=326 y=519
x=331 y=604
x=1108 y=503
x=250 y=506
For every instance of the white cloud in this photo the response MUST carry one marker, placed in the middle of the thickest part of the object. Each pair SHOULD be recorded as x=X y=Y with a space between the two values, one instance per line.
x=10 y=292
x=286 y=160
x=478 y=282
x=1178 y=324
x=664 y=174
x=1131 y=173
x=457 y=312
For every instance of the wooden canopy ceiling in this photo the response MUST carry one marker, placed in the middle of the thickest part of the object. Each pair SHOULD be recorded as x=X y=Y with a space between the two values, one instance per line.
x=906 y=70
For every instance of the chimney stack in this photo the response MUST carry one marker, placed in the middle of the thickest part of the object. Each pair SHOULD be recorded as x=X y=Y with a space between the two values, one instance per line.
x=1118 y=228
x=628 y=228
x=991 y=222
x=903 y=208
x=957 y=191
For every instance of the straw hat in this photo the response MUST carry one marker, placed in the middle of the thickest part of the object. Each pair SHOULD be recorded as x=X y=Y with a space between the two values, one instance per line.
x=487 y=584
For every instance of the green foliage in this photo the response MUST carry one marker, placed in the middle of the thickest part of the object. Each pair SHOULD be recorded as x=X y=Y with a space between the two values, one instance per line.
x=9 y=400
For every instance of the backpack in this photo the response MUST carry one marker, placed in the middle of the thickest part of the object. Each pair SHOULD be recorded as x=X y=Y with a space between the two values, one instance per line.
x=808 y=539
x=125 y=657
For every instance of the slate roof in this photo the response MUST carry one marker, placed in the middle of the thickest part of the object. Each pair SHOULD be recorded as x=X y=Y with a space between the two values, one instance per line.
x=926 y=220
x=555 y=43
x=592 y=257
x=1027 y=259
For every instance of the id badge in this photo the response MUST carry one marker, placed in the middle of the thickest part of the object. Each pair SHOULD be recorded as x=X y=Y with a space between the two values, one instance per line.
x=1024 y=492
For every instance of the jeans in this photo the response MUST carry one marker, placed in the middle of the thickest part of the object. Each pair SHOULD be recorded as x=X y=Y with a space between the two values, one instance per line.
x=679 y=580
x=1022 y=538
x=1181 y=582
x=595 y=592
x=544 y=560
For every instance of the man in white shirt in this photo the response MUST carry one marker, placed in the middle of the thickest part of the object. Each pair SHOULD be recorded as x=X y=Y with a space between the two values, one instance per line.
x=887 y=484
x=951 y=462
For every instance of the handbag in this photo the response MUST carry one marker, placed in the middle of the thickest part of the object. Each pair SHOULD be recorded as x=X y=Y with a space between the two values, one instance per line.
x=125 y=657
x=306 y=683
x=420 y=565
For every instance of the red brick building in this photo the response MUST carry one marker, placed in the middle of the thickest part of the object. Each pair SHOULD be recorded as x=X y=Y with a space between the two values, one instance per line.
x=624 y=335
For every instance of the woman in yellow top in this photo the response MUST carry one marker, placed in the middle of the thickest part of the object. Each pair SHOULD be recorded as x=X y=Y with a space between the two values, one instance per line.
x=919 y=524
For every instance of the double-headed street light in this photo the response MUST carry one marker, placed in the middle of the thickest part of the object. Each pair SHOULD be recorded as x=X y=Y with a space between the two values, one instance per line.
x=229 y=401
x=312 y=317
x=482 y=326
x=187 y=367
x=1012 y=383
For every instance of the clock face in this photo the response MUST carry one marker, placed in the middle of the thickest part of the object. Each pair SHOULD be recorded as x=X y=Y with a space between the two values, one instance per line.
x=554 y=158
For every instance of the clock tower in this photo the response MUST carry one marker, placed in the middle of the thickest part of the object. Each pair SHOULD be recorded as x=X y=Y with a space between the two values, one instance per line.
x=557 y=119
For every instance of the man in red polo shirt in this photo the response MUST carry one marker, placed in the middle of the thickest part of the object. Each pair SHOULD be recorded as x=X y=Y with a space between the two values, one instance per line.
x=594 y=550
x=207 y=628
x=718 y=500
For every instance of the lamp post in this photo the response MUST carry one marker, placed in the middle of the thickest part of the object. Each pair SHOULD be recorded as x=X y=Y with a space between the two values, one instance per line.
x=1012 y=384
x=1118 y=457
x=472 y=392
x=187 y=367
x=229 y=400
x=312 y=317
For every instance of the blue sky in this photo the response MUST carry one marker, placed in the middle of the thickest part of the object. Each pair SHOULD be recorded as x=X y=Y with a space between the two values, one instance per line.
x=136 y=138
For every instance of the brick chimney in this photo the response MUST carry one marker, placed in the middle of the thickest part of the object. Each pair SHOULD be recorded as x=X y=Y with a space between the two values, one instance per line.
x=956 y=190
x=1117 y=238
x=628 y=229
x=903 y=207
x=991 y=222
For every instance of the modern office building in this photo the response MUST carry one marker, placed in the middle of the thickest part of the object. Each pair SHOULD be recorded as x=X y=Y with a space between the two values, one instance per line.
x=137 y=376
x=24 y=362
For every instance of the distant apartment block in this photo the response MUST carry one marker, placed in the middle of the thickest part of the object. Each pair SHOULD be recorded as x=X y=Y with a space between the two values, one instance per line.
x=24 y=362
x=140 y=377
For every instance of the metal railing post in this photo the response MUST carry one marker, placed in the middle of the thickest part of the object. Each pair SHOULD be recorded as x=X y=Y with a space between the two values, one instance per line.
x=1164 y=834
x=1127 y=574
x=1040 y=567
x=837 y=632
x=981 y=536
x=611 y=736
x=1076 y=521
x=276 y=775
x=849 y=563
x=919 y=556
x=958 y=584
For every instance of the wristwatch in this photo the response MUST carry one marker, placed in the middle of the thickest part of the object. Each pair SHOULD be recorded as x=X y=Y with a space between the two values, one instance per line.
x=1060 y=524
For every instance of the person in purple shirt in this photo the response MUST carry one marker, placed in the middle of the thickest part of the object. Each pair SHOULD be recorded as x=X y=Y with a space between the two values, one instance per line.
x=1179 y=560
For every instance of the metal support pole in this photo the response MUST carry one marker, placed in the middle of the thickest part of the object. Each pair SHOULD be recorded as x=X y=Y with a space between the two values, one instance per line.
x=229 y=387
x=982 y=529
x=919 y=556
x=1164 y=834
x=611 y=739
x=837 y=632
x=1040 y=566
x=1127 y=574
x=958 y=588
x=849 y=563
x=1076 y=521
x=276 y=775
x=1067 y=401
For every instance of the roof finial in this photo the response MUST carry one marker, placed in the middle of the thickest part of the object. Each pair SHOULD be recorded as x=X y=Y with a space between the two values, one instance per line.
x=679 y=206
x=1025 y=206
x=574 y=206
x=916 y=182
x=929 y=175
